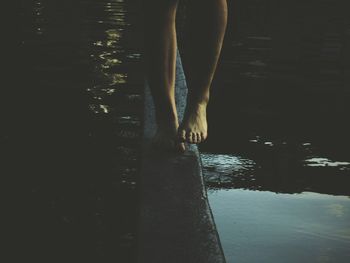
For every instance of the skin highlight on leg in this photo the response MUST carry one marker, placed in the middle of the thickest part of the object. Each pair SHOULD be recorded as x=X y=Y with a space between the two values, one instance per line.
x=160 y=59
x=205 y=29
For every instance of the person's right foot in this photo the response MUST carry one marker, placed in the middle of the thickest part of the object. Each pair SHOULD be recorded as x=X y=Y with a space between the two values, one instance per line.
x=194 y=127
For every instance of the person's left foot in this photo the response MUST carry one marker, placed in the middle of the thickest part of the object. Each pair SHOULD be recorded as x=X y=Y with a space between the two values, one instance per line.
x=194 y=127
x=166 y=140
x=165 y=137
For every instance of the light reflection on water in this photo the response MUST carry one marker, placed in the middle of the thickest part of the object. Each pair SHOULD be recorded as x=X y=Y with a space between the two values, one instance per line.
x=220 y=168
x=83 y=67
x=115 y=96
x=325 y=162
x=277 y=166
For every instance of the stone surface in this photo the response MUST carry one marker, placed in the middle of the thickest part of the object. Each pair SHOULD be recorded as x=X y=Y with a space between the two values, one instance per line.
x=176 y=223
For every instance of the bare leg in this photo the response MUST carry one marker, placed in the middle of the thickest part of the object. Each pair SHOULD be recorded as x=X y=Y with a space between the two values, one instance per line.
x=205 y=30
x=160 y=59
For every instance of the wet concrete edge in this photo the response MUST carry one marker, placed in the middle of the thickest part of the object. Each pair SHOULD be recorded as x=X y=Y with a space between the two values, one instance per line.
x=176 y=223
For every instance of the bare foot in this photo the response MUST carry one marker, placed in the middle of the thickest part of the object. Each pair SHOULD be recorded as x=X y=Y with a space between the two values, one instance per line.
x=166 y=137
x=194 y=128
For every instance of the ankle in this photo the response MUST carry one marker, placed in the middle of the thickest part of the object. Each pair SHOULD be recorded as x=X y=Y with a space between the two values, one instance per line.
x=197 y=104
x=165 y=118
x=198 y=100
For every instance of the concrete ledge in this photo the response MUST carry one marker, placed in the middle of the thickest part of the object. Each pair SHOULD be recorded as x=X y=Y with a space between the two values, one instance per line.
x=176 y=224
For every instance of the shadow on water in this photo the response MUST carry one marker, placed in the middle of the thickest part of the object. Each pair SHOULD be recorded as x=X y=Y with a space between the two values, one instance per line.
x=71 y=132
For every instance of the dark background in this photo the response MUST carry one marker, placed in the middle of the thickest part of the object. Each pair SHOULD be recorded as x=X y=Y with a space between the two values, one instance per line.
x=72 y=113
x=284 y=74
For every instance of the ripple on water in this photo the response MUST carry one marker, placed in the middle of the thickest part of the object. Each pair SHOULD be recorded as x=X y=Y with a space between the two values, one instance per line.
x=224 y=168
x=325 y=162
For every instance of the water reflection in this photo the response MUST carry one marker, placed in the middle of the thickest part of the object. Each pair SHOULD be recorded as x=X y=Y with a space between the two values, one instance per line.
x=256 y=226
x=324 y=162
x=279 y=170
x=113 y=61
x=221 y=170
x=82 y=105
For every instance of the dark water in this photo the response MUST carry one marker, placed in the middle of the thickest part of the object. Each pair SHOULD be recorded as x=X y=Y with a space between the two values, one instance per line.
x=277 y=163
x=71 y=133
x=72 y=120
x=282 y=89
x=283 y=76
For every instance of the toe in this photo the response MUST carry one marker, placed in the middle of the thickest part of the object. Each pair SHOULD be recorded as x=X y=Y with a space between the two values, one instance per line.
x=189 y=137
x=182 y=135
x=199 y=138
x=193 y=137
x=204 y=136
